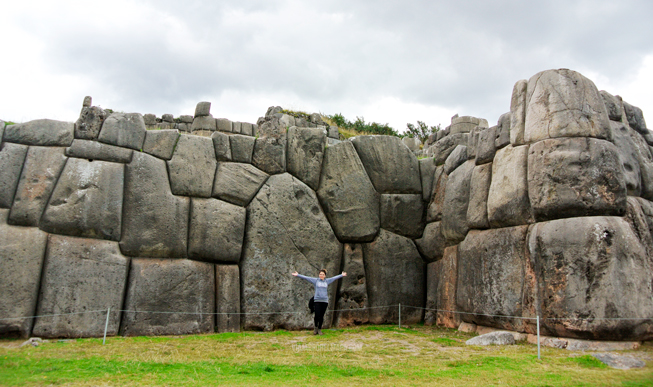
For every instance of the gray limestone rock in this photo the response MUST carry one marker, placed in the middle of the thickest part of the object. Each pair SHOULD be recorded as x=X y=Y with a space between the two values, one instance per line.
x=227 y=298
x=155 y=222
x=186 y=119
x=21 y=257
x=124 y=129
x=628 y=157
x=430 y=314
x=563 y=103
x=493 y=338
x=518 y=107
x=471 y=143
x=87 y=200
x=402 y=214
x=503 y=131
x=455 y=159
x=440 y=179
x=161 y=143
x=486 y=145
x=496 y=279
x=456 y=201
x=464 y=124
x=204 y=123
x=432 y=243
x=235 y=128
x=242 y=148
x=300 y=240
x=89 y=123
x=237 y=183
x=81 y=275
x=203 y=109
x=88 y=101
x=427 y=172
x=12 y=158
x=333 y=132
x=395 y=274
x=167 y=118
x=570 y=177
x=40 y=132
x=305 y=153
x=224 y=125
x=37 y=181
x=270 y=154
x=589 y=269
x=216 y=231
x=443 y=147
x=94 y=150
x=347 y=195
x=635 y=118
x=412 y=143
x=169 y=285
x=613 y=105
x=478 y=194
x=192 y=167
x=246 y=129
x=222 y=146
x=352 y=289
x=442 y=282
x=508 y=203
x=392 y=167
x=149 y=120
x=620 y=362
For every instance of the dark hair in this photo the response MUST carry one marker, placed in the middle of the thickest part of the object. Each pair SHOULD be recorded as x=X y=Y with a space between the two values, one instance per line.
x=323 y=270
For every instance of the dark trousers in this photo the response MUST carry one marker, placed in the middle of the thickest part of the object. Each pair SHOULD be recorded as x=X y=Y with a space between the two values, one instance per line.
x=320 y=309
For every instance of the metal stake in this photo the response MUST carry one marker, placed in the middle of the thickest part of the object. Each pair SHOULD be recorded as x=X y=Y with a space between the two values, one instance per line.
x=538 y=337
x=400 y=315
x=106 y=326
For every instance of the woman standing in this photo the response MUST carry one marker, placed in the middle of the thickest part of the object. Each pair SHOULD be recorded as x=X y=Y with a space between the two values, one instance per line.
x=321 y=297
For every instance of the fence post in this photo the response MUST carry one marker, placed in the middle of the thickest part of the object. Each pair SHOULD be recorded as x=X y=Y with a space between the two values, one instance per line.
x=538 y=337
x=400 y=315
x=106 y=326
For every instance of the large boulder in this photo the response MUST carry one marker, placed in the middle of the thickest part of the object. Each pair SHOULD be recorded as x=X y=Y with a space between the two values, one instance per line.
x=270 y=147
x=237 y=183
x=396 y=274
x=192 y=167
x=80 y=275
x=12 y=158
x=21 y=258
x=592 y=272
x=347 y=195
x=443 y=147
x=242 y=148
x=427 y=171
x=169 y=297
x=227 y=298
x=37 y=181
x=155 y=222
x=503 y=131
x=518 y=106
x=222 y=146
x=440 y=179
x=636 y=158
x=161 y=143
x=478 y=193
x=352 y=290
x=570 y=177
x=432 y=243
x=41 y=132
x=455 y=159
x=204 y=123
x=613 y=105
x=216 y=231
x=90 y=122
x=494 y=277
x=94 y=150
x=441 y=295
x=392 y=167
x=635 y=118
x=466 y=124
x=124 y=129
x=305 y=153
x=87 y=200
x=486 y=145
x=563 y=103
x=403 y=214
x=286 y=231
x=508 y=203
x=456 y=201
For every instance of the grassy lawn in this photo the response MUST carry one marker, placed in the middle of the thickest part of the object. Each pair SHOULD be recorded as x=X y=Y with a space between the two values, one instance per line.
x=369 y=355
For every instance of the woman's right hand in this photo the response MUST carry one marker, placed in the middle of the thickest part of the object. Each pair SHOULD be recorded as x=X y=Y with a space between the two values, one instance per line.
x=295 y=274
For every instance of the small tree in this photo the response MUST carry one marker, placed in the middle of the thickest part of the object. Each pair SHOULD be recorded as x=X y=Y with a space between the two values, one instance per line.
x=421 y=131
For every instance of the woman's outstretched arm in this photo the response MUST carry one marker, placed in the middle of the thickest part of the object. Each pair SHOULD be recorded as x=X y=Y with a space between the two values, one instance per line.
x=312 y=280
x=329 y=280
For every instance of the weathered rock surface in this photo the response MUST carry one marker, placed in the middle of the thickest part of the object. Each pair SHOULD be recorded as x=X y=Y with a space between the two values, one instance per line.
x=508 y=203
x=169 y=285
x=485 y=146
x=570 y=177
x=270 y=154
x=246 y=129
x=456 y=201
x=94 y=150
x=635 y=118
x=155 y=222
x=443 y=147
x=222 y=146
x=224 y=125
x=392 y=167
x=192 y=167
x=589 y=269
x=613 y=105
x=432 y=243
x=237 y=183
x=161 y=143
x=620 y=362
x=440 y=180
x=40 y=132
x=203 y=109
x=305 y=153
x=352 y=289
x=635 y=156
x=443 y=277
x=207 y=123
x=21 y=257
x=37 y=180
x=87 y=201
x=466 y=124
x=242 y=148
x=492 y=338
x=347 y=195
x=455 y=159
x=395 y=274
x=403 y=214
x=216 y=232
x=427 y=171
x=495 y=279
x=124 y=129
x=12 y=158
x=563 y=103
x=90 y=122
x=300 y=239
x=503 y=131
x=227 y=298
x=430 y=313
x=81 y=275
x=478 y=193
x=518 y=107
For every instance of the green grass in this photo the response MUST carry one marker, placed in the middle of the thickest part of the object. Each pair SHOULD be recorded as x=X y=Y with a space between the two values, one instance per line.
x=377 y=355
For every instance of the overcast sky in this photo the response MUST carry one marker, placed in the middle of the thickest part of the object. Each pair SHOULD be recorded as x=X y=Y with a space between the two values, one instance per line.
x=387 y=61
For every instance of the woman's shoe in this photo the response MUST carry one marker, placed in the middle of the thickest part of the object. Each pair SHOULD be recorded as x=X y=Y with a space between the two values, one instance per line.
x=315 y=331
x=319 y=332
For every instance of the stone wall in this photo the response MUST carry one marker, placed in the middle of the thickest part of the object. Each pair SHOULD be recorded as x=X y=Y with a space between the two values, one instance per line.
x=547 y=213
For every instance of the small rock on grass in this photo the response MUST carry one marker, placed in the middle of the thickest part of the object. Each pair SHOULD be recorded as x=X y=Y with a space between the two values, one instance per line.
x=622 y=362
x=493 y=338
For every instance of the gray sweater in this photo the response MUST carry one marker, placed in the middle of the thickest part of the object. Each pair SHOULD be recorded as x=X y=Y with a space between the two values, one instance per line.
x=321 y=294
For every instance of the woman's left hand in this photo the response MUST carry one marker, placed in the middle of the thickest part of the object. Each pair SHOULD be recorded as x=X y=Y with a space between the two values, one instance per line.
x=344 y=274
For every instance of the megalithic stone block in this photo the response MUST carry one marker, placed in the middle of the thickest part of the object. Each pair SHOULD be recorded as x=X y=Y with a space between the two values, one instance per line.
x=456 y=203
x=41 y=133
x=94 y=150
x=478 y=193
x=238 y=183
x=161 y=143
x=242 y=148
x=508 y=203
x=216 y=232
x=124 y=129
x=403 y=214
x=192 y=167
x=227 y=298
x=352 y=290
x=90 y=122
x=12 y=158
x=305 y=153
